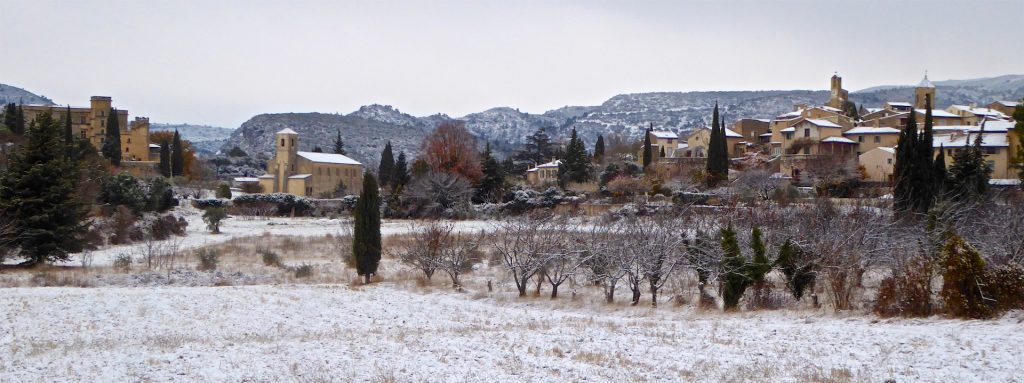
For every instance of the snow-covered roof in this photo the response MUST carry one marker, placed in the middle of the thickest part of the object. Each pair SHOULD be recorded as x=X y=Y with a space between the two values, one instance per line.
x=823 y=123
x=287 y=131
x=990 y=127
x=938 y=113
x=730 y=133
x=328 y=158
x=154 y=146
x=873 y=110
x=787 y=130
x=887 y=149
x=830 y=109
x=682 y=145
x=838 y=140
x=791 y=115
x=765 y=135
x=894 y=103
x=995 y=140
x=267 y=176
x=247 y=179
x=872 y=130
x=664 y=134
x=552 y=164
x=1010 y=104
x=300 y=176
x=762 y=120
x=979 y=111
x=1004 y=182
x=925 y=83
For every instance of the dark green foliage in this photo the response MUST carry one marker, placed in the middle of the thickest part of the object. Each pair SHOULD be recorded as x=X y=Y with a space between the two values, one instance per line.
x=123 y=190
x=224 y=191
x=69 y=139
x=37 y=196
x=366 y=240
x=270 y=258
x=492 y=186
x=794 y=265
x=963 y=273
x=161 y=197
x=177 y=156
x=648 y=155
x=112 y=140
x=939 y=174
x=165 y=158
x=538 y=148
x=387 y=165
x=761 y=265
x=970 y=173
x=11 y=118
x=599 y=149
x=735 y=273
x=208 y=259
x=1018 y=130
x=610 y=172
x=850 y=110
x=213 y=217
x=237 y=152
x=339 y=145
x=575 y=165
x=717 y=167
x=401 y=175
x=317 y=149
x=915 y=188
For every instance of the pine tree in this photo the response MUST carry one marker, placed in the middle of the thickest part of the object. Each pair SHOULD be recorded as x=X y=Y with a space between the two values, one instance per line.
x=970 y=173
x=69 y=140
x=648 y=154
x=339 y=145
x=11 y=117
x=401 y=176
x=177 y=156
x=599 y=149
x=112 y=140
x=165 y=159
x=734 y=270
x=366 y=242
x=575 y=165
x=387 y=165
x=538 y=148
x=493 y=182
x=37 y=196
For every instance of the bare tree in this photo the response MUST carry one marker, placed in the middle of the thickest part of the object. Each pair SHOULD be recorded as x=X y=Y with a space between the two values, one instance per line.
x=562 y=258
x=602 y=243
x=457 y=254
x=757 y=182
x=439 y=193
x=514 y=241
x=424 y=253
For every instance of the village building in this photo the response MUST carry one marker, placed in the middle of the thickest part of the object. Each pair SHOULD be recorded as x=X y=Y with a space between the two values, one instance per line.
x=869 y=138
x=878 y=164
x=973 y=115
x=752 y=129
x=697 y=143
x=90 y=123
x=543 y=174
x=1004 y=107
x=308 y=174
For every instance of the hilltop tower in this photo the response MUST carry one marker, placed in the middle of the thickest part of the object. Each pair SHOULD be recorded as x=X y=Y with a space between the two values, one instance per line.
x=923 y=89
x=287 y=148
x=839 y=95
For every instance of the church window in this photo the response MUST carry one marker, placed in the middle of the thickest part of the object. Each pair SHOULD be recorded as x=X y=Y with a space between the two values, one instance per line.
x=878 y=139
x=282 y=142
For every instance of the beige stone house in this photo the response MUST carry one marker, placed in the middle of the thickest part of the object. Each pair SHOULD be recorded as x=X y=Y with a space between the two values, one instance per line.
x=309 y=174
x=1005 y=107
x=697 y=143
x=878 y=164
x=973 y=115
x=868 y=138
x=90 y=123
x=752 y=129
x=543 y=174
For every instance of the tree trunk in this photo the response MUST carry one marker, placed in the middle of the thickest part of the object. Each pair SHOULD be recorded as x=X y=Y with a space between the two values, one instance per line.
x=366 y=279
x=540 y=281
x=636 y=296
x=609 y=293
x=654 y=296
x=554 y=291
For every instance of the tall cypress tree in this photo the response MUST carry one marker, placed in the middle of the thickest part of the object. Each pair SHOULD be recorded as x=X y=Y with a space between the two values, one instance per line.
x=339 y=145
x=177 y=155
x=366 y=243
x=401 y=176
x=903 y=168
x=599 y=149
x=165 y=158
x=69 y=141
x=648 y=155
x=37 y=195
x=387 y=165
x=925 y=197
x=112 y=139
x=717 y=166
x=939 y=174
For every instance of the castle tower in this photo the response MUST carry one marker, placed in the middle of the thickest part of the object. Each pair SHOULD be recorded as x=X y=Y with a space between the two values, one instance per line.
x=923 y=88
x=99 y=107
x=287 y=144
x=839 y=95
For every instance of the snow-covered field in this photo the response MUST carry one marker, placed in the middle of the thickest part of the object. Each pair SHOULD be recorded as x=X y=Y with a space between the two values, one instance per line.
x=381 y=332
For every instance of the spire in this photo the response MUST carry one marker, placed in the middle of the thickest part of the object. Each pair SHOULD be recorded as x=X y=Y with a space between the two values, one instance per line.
x=924 y=82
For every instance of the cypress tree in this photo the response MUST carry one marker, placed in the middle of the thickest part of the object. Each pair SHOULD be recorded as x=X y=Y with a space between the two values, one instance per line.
x=903 y=168
x=401 y=175
x=366 y=243
x=575 y=162
x=925 y=197
x=599 y=149
x=11 y=117
x=648 y=155
x=20 y=123
x=37 y=196
x=734 y=273
x=339 y=145
x=165 y=159
x=718 y=159
x=387 y=165
x=939 y=174
x=177 y=155
x=970 y=173
x=494 y=177
x=112 y=140
x=69 y=141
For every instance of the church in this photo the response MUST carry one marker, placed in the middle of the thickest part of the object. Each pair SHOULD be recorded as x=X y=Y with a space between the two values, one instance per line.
x=308 y=174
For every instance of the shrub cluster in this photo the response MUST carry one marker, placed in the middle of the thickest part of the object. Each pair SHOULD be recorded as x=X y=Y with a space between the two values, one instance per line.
x=283 y=204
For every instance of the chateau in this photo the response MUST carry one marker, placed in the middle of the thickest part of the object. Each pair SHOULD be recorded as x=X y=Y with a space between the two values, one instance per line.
x=308 y=174
x=90 y=123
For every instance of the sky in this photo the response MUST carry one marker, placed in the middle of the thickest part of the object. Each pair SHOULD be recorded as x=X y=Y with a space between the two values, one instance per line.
x=221 y=62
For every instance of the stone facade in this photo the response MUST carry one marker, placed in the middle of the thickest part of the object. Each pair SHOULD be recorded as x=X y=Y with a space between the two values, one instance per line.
x=90 y=123
x=309 y=174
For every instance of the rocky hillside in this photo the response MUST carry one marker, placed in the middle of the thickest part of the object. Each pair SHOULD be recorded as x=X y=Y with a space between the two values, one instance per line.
x=206 y=139
x=364 y=131
x=949 y=92
x=9 y=94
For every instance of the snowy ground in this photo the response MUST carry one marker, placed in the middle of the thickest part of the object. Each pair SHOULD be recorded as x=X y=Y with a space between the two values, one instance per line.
x=386 y=333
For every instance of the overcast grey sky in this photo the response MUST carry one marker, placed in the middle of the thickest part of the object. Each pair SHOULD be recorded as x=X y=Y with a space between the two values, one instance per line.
x=221 y=62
